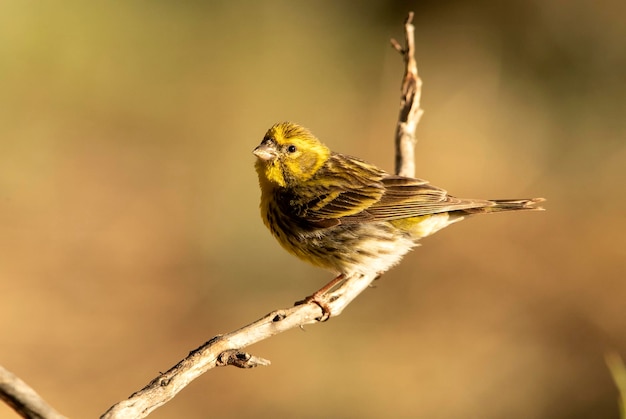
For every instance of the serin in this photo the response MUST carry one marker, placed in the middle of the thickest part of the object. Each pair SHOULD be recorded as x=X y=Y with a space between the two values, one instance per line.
x=348 y=216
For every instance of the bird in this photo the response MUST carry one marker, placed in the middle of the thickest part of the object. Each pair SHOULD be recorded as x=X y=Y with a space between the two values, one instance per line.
x=349 y=216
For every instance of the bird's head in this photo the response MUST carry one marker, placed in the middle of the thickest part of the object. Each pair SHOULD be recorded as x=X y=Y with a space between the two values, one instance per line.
x=289 y=154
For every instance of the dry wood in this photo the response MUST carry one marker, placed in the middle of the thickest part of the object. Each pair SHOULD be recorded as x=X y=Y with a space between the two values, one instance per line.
x=23 y=399
x=223 y=350
x=211 y=354
x=410 y=110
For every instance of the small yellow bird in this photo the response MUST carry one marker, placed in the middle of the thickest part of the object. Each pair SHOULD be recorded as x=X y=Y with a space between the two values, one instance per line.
x=348 y=216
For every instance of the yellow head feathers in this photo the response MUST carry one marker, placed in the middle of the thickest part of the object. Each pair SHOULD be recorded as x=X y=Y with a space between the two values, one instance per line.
x=289 y=155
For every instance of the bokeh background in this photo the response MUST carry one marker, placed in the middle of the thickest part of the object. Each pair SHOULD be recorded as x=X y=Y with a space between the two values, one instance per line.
x=129 y=221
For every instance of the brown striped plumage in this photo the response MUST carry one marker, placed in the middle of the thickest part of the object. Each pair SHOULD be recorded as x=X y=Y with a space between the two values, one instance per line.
x=346 y=215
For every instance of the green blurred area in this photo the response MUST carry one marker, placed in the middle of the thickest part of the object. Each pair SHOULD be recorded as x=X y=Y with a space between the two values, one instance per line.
x=130 y=231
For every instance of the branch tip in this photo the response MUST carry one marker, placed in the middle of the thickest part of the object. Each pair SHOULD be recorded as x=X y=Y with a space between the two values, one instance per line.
x=396 y=45
x=409 y=18
x=410 y=111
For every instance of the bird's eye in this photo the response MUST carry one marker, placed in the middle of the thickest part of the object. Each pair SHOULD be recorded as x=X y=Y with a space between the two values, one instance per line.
x=292 y=148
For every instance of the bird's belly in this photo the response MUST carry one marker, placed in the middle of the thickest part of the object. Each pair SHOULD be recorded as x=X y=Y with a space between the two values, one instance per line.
x=350 y=249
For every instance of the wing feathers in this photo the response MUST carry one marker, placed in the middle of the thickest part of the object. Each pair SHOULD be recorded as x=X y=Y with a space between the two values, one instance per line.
x=348 y=190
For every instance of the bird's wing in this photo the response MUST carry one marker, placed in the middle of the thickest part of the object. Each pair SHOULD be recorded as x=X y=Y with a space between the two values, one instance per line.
x=356 y=191
x=409 y=197
x=342 y=191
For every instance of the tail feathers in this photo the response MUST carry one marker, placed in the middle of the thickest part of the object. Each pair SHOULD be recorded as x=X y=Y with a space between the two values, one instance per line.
x=497 y=205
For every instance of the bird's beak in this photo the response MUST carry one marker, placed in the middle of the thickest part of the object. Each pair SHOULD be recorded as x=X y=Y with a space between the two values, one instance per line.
x=265 y=152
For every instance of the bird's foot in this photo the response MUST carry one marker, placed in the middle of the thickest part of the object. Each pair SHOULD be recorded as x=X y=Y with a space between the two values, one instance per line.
x=321 y=301
x=320 y=298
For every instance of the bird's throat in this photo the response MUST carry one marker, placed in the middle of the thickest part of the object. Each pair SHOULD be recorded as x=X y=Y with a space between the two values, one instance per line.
x=270 y=173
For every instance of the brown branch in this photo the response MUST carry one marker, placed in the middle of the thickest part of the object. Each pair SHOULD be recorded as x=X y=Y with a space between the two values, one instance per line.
x=226 y=349
x=240 y=359
x=23 y=399
x=410 y=110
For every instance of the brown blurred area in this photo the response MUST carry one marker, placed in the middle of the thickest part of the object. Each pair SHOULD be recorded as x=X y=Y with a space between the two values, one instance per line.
x=130 y=231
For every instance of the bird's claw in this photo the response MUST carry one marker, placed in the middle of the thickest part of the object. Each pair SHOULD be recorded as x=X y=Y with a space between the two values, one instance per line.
x=320 y=302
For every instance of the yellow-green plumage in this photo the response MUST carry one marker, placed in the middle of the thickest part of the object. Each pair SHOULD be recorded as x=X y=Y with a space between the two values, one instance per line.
x=346 y=215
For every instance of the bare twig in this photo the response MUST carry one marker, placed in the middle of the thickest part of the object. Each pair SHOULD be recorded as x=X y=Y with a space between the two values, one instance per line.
x=410 y=110
x=23 y=399
x=226 y=349
x=241 y=359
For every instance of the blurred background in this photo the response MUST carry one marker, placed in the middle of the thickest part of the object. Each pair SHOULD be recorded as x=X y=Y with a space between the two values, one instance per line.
x=129 y=224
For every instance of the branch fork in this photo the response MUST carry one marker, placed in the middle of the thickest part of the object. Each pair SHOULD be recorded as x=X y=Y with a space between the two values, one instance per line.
x=224 y=350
